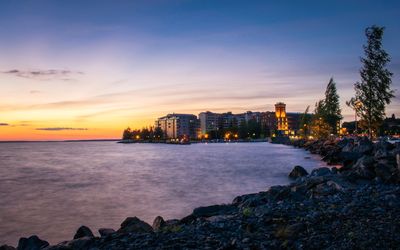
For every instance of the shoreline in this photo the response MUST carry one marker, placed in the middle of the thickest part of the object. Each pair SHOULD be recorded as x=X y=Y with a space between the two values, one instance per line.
x=352 y=206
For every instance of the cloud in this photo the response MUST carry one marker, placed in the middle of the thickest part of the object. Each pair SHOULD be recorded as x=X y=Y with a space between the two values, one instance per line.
x=64 y=75
x=60 y=129
x=4 y=124
x=34 y=92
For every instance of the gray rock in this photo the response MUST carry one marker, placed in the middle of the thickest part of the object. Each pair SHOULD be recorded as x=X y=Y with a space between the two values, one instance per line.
x=134 y=224
x=158 y=223
x=106 y=231
x=297 y=171
x=76 y=244
x=321 y=172
x=364 y=168
x=32 y=243
x=365 y=146
x=386 y=171
x=83 y=231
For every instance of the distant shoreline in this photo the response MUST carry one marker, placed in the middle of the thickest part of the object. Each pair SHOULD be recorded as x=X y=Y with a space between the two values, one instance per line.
x=91 y=140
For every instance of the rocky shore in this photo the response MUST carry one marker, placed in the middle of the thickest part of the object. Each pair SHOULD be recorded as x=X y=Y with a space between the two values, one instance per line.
x=355 y=205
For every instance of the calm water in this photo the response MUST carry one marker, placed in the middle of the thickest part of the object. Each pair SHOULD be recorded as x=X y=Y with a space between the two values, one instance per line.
x=50 y=189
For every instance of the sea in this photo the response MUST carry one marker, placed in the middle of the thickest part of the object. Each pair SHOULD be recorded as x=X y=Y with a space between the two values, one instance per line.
x=49 y=189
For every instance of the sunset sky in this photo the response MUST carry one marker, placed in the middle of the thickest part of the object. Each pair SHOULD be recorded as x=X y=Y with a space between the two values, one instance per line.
x=89 y=69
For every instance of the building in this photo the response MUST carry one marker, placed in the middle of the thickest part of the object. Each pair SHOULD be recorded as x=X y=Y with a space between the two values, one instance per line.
x=268 y=122
x=255 y=116
x=227 y=120
x=208 y=121
x=179 y=126
x=281 y=119
x=294 y=120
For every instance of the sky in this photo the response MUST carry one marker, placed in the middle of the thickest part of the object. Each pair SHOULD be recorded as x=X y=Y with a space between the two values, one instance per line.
x=89 y=69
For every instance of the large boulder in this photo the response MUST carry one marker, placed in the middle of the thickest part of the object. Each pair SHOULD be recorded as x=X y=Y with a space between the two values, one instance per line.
x=321 y=172
x=387 y=171
x=83 y=231
x=297 y=171
x=365 y=146
x=31 y=243
x=135 y=225
x=363 y=169
x=345 y=143
x=158 y=223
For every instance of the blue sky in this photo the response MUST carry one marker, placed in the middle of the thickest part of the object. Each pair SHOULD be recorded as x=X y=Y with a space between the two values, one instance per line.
x=131 y=61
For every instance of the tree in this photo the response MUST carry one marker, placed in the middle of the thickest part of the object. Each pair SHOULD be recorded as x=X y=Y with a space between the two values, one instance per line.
x=253 y=129
x=158 y=133
x=373 y=92
x=243 y=130
x=145 y=134
x=305 y=123
x=331 y=108
x=320 y=129
x=127 y=134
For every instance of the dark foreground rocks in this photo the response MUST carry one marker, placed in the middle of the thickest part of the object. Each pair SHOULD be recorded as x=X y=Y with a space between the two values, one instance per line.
x=355 y=206
x=322 y=210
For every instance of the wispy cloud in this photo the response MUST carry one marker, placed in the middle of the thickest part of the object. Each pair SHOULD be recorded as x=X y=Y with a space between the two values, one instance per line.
x=60 y=129
x=64 y=75
x=4 y=124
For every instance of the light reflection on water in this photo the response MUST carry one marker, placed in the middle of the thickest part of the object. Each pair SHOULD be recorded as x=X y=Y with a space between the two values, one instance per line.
x=52 y=188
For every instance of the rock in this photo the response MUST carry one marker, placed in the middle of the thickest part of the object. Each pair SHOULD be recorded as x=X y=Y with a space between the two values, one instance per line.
x=134 y=224
x=213 y=210
x=365 y=146
x=349 y=157
x=321 y=172
x=83 y=231
x=32 y=243
x=158 y=223
x=7 y=247
x=364 y=168
x=289 y=231
x=386 y=172
x=297 y=171
x=345 y=144
x=106 y=231
x=76 y=244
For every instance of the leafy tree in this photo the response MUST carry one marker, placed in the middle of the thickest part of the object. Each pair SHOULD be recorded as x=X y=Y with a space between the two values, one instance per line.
x=127 y=134
x=320 y=129
x=253 y=128
x=305 y=123
x=373 y=92
x=243 y=131
x=145 y=134
x=158 y=133
x=331 y=107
